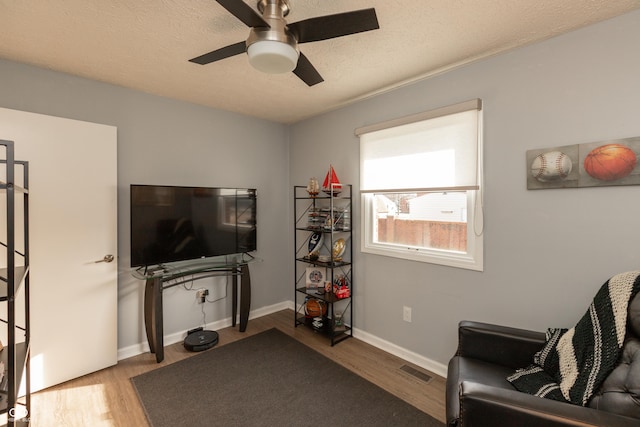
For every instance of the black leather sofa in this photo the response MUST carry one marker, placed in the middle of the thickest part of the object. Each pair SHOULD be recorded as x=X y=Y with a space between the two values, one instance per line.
x=478 y=393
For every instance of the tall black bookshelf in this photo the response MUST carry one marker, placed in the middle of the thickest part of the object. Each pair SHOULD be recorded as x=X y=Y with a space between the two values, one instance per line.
x=323 y=247
x=14 y=289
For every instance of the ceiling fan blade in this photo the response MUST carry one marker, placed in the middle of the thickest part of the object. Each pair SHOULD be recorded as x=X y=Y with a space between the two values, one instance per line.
x=244 y=12
x=222 y=53
x=307 y=72
x=331 y=26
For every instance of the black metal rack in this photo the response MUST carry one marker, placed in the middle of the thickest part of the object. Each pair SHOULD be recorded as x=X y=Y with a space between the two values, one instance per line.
x=14 y=291
x=330 y=216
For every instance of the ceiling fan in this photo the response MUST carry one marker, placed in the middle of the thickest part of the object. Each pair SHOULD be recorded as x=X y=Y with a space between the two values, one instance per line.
x=272 y=45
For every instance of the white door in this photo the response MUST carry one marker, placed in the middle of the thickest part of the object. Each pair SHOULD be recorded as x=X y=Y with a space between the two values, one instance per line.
x=73 y=224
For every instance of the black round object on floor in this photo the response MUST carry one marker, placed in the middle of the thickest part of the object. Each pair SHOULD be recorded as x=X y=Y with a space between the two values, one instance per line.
x=201 y=340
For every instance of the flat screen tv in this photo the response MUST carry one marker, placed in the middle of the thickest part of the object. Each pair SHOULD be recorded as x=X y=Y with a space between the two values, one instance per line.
x=170 y=223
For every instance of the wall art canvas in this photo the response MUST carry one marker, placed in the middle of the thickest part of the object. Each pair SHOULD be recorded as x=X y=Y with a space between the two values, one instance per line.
x=594 y=164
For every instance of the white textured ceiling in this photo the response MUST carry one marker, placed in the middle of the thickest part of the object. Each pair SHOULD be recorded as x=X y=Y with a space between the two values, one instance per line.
x=146 y=45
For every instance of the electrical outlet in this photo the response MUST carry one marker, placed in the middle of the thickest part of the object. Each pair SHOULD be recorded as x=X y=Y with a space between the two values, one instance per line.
x=201 y=295
x=406 y=314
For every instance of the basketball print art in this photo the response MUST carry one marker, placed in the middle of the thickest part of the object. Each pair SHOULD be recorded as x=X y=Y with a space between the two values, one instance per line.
x=610 y=162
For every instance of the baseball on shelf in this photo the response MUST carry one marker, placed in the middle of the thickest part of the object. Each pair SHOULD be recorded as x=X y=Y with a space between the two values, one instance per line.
x=551 y=166
x=610 y=162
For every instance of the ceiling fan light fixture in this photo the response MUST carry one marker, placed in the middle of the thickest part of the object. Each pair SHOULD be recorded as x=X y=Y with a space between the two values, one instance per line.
x=273 y=57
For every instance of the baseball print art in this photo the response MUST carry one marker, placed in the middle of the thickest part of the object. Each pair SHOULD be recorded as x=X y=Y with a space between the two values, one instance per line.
x=551 y=166
x=554 y=167
x=594 y=164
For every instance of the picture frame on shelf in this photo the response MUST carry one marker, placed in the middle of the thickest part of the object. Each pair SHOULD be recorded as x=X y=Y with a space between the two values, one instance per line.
x=315 y=277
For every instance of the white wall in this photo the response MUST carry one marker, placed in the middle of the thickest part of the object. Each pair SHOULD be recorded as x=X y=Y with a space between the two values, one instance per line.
x=162 y=141
x=547 y=251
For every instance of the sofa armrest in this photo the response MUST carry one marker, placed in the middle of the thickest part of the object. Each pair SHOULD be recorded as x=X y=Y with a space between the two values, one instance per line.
x=505 y=346
x=486 y=406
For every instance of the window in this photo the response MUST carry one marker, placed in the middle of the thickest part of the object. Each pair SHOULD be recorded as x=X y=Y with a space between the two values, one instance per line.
x=421 y=181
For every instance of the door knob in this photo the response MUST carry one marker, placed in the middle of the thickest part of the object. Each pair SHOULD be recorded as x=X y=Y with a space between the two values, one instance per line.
x=107 y=258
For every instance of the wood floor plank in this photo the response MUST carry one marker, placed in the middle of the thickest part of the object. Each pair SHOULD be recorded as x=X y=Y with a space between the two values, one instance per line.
x=108 y=398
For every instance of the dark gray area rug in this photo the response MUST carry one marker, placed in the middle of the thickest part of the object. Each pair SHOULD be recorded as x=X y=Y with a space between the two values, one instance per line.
x=268 y=379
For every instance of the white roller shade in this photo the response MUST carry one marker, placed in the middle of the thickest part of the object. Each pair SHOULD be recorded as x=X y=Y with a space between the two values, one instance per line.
x=432 y=151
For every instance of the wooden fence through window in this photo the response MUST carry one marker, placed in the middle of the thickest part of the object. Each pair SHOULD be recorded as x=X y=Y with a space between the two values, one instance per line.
x=430 y=234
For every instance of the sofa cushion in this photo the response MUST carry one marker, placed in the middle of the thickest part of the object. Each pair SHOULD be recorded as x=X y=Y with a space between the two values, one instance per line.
x=620 y=392
x=475 y=371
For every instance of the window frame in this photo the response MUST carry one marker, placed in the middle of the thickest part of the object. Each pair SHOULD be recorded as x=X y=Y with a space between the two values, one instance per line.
x=473 y=258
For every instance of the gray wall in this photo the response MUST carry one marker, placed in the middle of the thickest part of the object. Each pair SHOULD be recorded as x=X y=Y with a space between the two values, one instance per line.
x=162 y=141
x=546 y=252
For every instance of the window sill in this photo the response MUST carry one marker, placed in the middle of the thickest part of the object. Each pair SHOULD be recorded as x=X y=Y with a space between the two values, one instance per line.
x=446 y=258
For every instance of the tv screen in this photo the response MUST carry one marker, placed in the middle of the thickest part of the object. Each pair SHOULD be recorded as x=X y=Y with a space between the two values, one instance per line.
x=171 y=223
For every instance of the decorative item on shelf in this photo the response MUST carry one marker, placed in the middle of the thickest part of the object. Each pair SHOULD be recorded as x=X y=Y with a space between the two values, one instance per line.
x=314 y=307
x=317 y=323
x=315 y=244
x=346 y=220
x=315 y=277
x=314 y=221
x=338 y=325
x=343 y=292
x=331 y=184
x=338 y=249
x=341 y=287
x=342 y=219
x=328 y=223
x=324 y=258
x=327 y=286
x=313 y=188
x=324 y=215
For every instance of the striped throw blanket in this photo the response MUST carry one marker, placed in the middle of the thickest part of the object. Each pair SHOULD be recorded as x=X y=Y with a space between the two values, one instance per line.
x=574 y=362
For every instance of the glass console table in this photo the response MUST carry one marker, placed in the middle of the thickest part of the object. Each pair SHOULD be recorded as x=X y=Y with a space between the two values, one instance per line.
x=165 y=276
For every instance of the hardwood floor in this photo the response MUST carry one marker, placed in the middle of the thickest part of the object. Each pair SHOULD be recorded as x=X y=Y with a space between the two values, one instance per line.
x=107 y=397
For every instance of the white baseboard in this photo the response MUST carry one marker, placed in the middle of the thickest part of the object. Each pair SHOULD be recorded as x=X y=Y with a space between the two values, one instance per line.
x=132 y=350
x=143 y=347
x=409 y=356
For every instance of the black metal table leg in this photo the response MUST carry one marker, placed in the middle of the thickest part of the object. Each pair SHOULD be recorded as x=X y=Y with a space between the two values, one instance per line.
x=245 y=297
x=234 y=299
x=153 y=317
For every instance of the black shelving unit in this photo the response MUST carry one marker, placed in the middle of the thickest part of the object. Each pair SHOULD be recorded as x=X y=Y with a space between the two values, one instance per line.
x=14 y=291
x=328 y=216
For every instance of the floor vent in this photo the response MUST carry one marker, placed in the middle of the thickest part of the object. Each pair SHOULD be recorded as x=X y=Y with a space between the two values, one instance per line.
x=418 y=374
